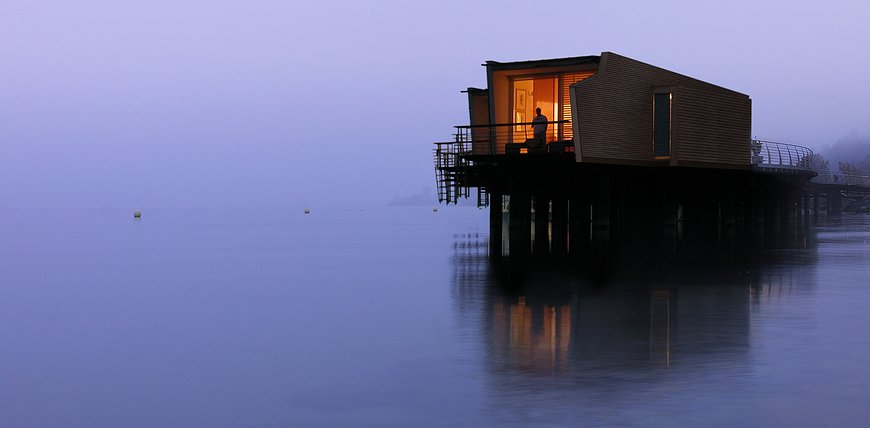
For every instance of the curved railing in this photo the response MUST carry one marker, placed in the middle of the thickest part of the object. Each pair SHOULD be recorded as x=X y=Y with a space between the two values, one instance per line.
x=771 y=154
x=776 y=156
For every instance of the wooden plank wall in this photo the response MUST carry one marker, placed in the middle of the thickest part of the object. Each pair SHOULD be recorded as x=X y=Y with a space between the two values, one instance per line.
x=711 y=125
x=565 y=82
x=478 y=112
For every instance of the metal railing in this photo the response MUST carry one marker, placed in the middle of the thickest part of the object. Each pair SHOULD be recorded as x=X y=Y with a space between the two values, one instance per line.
x=774 y=155
x=452 y=158
x=771 y=154
x=491 y=139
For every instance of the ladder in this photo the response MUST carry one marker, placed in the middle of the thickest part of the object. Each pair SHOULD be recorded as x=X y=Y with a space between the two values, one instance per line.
x=451 y=169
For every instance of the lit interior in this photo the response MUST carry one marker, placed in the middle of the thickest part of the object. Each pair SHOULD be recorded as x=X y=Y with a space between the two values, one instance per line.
x=530 y=94
x=551 y=94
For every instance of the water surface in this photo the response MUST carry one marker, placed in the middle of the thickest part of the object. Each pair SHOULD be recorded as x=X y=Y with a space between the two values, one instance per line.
x=395 y=317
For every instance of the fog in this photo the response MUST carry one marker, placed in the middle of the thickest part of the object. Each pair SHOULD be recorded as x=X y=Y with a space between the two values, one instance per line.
x=275 y=103
x=853 y=149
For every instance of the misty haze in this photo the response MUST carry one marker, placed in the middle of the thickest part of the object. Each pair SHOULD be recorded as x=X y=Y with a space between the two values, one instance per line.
x=434 y=214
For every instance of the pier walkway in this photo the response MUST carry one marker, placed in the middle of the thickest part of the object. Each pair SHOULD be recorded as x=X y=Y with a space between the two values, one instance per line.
x=837 y=189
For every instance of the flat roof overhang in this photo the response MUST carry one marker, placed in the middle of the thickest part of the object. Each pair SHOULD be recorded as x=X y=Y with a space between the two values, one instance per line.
x=541 y=63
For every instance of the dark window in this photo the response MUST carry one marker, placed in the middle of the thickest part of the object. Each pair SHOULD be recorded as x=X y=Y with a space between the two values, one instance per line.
x=662 y=125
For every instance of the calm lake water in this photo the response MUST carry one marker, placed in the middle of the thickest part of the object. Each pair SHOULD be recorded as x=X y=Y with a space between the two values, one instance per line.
x=395 y=317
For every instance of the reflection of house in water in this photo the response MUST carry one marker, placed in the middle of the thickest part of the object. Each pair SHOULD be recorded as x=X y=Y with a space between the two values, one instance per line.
x=631 y=325
x=535 y=338
x=650 y=346
x=780 y=286
x=554 y=322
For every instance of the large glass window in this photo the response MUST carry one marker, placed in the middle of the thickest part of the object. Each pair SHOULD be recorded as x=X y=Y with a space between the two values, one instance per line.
x=530 y=94
x=549 y=93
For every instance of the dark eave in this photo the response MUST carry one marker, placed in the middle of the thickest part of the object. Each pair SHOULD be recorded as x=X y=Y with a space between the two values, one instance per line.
x=556 y=62
x=475 y=91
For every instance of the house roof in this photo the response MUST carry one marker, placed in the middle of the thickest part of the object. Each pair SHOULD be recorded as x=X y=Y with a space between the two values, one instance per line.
x=555 y=62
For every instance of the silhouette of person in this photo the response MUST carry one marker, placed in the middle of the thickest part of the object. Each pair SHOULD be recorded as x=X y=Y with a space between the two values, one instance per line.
x=539 y=125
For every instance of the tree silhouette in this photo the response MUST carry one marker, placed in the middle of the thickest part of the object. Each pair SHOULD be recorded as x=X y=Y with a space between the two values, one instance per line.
x=816 y=162
x=848 y=168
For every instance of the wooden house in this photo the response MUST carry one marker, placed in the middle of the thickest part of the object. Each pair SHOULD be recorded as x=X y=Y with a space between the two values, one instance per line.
x=630 y=150
x=610 y=109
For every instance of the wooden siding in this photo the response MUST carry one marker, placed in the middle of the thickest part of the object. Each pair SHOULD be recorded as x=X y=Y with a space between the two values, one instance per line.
x=613 y=117
x=478 y=112
x=711 y=127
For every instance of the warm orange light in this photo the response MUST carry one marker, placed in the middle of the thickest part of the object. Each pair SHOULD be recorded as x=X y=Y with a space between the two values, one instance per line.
x=523 y=150
x=540 y=346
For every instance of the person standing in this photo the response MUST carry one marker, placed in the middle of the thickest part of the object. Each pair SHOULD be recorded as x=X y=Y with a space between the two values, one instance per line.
x=539 y=125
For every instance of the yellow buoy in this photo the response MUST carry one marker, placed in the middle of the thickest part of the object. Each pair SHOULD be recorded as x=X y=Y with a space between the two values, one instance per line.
x=137 y=214
x=307 y=211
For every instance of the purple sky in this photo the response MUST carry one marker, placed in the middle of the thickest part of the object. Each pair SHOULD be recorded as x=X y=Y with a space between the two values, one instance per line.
x=278 y=103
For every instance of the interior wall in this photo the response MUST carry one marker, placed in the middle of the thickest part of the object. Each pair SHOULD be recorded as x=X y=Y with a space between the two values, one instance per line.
x=523 y=108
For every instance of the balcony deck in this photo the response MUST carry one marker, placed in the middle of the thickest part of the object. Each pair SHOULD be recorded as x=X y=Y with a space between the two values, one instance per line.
x=480 y=152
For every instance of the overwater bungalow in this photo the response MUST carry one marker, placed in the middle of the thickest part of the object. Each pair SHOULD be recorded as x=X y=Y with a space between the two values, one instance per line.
x=610 y=109
x=627 y=146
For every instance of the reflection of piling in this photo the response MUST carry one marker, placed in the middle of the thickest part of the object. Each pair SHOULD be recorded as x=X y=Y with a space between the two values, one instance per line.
x=495 y=225
x=835 y=203
x=600 y=218
x=659 y=328
x=579 y=226
x=559 y=221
